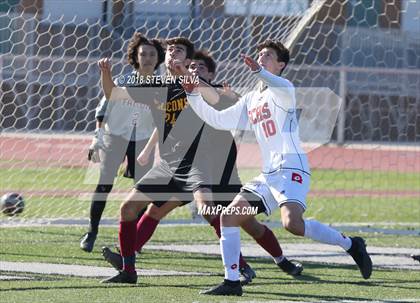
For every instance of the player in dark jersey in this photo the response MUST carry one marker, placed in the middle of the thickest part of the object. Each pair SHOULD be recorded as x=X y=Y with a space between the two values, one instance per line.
x=226 y=182
x=183 y=173
x=122 y=131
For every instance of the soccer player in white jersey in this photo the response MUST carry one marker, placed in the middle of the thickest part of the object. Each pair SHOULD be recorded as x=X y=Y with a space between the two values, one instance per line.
x=122 y=131
x=284 y=182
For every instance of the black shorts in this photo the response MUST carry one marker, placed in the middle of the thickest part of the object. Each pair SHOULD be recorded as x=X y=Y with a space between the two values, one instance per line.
x=253 y=200
x=133 y=169
x=163 y=183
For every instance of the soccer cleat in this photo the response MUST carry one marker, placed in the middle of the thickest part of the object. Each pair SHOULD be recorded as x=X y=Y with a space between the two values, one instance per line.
x=88 y=241
x=247 y=274
x=122 y=277
x=361 y=256
x=226 y=288
x=112 y=258
x=291 y=268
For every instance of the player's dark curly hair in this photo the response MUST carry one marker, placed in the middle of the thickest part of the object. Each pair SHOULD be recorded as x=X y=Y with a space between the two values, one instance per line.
x=138 y=39
x=208 y=60
x=282 y=52
x=183 y=41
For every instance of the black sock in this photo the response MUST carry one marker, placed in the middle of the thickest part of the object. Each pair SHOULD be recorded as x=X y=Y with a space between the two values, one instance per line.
x=97 y=207
x=232 y=283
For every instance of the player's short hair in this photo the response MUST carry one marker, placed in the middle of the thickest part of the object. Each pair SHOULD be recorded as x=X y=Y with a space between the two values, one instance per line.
x=183 y=41
x=208 y=60
x=138 y=39
x=282 y=52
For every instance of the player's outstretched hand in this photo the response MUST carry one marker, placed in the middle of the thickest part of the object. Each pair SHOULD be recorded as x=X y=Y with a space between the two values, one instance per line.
x=252 y=64
x=189 y=86
x=105 y=65
x=228 y=92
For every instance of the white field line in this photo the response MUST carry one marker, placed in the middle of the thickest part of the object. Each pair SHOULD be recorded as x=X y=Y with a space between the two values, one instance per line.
x=82 y=270
x=17 y=222
x=383 y=257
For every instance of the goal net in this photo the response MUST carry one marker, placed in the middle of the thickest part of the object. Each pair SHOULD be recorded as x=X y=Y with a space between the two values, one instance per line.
x=366 y=52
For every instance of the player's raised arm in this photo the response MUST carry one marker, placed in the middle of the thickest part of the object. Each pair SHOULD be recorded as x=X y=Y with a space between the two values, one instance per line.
x=232 y=118
x=106 y=77
x=273 y=58
x=209 y=93
x=266 y=76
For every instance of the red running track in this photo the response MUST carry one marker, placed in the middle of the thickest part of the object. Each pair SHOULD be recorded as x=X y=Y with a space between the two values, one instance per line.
x=45 y=151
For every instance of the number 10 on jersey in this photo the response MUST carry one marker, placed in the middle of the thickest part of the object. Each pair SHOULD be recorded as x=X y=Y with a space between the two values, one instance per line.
x=269 y=128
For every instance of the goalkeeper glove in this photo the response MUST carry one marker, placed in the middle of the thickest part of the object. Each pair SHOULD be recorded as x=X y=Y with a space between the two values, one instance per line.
x=97 y=144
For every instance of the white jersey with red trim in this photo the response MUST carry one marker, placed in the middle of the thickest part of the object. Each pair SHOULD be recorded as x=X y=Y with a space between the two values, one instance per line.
x=271 y=114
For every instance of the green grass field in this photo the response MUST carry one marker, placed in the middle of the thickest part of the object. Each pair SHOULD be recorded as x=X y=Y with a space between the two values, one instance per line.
x=320 y=282
x=46 y=200
x=78 y=179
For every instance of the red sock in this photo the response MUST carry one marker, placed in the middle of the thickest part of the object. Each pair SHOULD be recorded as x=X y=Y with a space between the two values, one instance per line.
x=242 y=262
x=127 y=236
x=269 y=242
x=145 y=229
x=216 y=225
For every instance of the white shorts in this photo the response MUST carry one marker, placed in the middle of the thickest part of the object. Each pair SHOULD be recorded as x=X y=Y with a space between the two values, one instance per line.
x=285 y=185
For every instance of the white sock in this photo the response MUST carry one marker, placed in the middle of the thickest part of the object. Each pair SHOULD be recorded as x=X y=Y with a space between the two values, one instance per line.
x=230 y=247
x=278 y=260
x=325 y=234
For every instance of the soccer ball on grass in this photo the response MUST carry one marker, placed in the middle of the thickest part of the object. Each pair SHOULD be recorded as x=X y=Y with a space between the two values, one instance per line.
x=12 y=204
